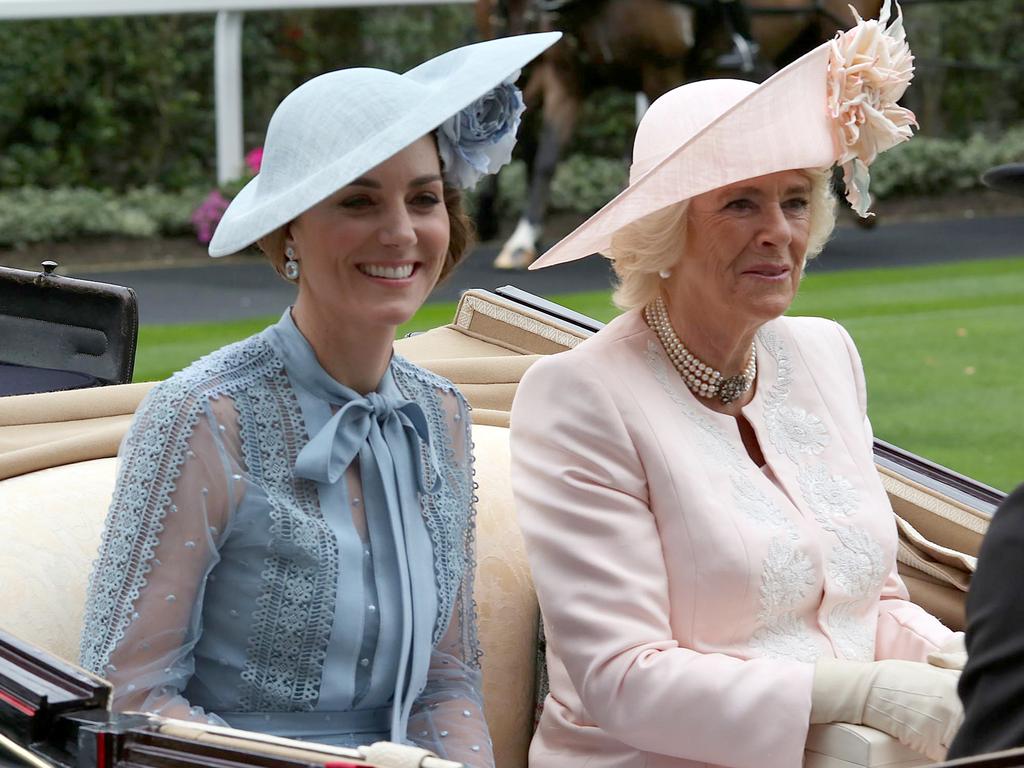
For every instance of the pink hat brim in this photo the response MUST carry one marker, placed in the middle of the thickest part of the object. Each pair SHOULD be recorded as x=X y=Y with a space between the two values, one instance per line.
x=783 y=124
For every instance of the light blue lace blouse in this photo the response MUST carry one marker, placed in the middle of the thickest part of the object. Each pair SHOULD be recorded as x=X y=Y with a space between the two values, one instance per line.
x=283 y=554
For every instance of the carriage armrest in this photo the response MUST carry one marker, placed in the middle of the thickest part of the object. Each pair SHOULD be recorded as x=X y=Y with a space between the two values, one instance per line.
x=842 y=745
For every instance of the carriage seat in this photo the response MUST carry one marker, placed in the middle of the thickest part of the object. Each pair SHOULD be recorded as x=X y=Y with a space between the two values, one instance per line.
x=57 y=471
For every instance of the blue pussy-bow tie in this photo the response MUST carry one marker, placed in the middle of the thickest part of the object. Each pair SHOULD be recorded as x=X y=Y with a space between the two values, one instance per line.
x=376 y=422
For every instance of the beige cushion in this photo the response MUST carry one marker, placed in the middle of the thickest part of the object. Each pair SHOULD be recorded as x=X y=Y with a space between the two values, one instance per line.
x=506 y=603
x=51 y=429
x=51 y=522
x=841 y=745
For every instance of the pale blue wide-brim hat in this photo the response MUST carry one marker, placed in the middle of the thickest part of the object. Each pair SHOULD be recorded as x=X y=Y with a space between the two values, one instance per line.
x=336 y=127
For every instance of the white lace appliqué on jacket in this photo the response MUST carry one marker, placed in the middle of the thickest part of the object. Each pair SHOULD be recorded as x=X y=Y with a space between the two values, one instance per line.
x=856 y=564
x=787 y=573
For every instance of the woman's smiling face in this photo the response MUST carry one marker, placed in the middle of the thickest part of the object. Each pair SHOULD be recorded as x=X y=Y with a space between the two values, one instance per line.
x=745 y=248
x=372 y=252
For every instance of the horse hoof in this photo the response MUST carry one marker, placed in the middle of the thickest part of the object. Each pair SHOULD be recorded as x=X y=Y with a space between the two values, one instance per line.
x=517 y=258
x=868 y=222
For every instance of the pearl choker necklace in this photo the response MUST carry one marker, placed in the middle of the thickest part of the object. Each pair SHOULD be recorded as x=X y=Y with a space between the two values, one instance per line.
x=701 y=378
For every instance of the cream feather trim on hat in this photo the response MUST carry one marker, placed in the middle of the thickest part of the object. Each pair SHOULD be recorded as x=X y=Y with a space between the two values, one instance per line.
x=870 y=68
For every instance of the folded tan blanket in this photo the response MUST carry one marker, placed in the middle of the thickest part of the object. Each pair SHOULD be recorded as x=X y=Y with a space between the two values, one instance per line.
x=55 y=428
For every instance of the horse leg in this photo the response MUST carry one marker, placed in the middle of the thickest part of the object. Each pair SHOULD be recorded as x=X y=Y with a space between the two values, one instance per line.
x=482 y=13
x=561 y=108
x=486 y=213
x=515 y=15
x=520 y=250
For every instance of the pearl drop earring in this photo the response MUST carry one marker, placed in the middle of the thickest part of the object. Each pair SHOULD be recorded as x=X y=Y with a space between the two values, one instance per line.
x=291 y=266
x=665 y=274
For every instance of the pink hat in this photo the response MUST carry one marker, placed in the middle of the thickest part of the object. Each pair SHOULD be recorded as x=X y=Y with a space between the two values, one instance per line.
x=835 y=105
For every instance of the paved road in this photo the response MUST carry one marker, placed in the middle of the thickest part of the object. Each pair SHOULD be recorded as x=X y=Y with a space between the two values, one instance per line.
x=222 y=291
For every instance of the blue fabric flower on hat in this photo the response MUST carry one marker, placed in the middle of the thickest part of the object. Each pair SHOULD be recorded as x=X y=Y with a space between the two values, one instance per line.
x=479 y=139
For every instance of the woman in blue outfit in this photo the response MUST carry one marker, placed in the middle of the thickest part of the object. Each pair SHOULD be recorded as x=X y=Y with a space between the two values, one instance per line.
x=289 y=546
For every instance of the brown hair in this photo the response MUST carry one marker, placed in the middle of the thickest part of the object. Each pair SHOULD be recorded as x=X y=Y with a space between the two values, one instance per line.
x=460 y=237
x=461 y=232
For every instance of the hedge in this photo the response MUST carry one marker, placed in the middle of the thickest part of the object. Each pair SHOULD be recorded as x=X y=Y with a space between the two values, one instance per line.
x=582 y=184
x=32 y=214
x=128 y=102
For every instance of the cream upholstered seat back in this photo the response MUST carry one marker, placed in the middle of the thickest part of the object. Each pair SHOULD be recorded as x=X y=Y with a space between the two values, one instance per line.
x=506 y=604
x=51 y=522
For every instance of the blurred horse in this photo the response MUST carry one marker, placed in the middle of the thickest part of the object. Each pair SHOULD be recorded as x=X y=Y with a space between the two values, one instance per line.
x=644 y=46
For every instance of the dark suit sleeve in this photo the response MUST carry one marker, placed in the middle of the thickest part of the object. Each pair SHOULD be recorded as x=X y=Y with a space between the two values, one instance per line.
x=992 y=684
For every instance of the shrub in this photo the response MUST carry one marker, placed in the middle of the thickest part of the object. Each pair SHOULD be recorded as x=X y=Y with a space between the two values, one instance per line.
x=207 y=216
x=32 y=214
x=969 y=58
x=105 y=102
x=929 y=166
x=512 y=186
x=127 y=102
x=584 y=184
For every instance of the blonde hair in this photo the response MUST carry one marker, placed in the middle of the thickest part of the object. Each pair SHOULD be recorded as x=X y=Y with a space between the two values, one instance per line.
x=639 y=251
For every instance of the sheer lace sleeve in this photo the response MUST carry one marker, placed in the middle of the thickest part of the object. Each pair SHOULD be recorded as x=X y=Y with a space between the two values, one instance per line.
x=176 y=487
x=448 y=717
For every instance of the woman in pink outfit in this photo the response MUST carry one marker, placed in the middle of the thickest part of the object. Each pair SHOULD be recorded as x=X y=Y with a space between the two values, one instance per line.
x=713 y=551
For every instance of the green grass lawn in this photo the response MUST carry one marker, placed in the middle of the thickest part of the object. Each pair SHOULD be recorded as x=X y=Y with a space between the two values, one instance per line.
x=943 y=348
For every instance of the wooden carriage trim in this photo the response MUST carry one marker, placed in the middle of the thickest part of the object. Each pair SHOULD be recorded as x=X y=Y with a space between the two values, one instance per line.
x=510 y=314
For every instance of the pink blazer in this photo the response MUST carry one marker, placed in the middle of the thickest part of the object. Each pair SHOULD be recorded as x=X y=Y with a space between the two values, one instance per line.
x=685 y=590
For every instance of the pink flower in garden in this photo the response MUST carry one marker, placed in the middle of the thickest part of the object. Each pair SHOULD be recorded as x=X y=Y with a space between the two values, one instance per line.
x=207 y=215
x=254 y=159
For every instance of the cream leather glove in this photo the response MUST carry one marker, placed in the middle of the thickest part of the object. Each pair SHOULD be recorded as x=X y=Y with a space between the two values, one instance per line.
x=914 y=702
x=952 y=654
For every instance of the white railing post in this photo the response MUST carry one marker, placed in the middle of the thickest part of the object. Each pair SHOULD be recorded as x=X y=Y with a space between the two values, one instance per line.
x=227 y=87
